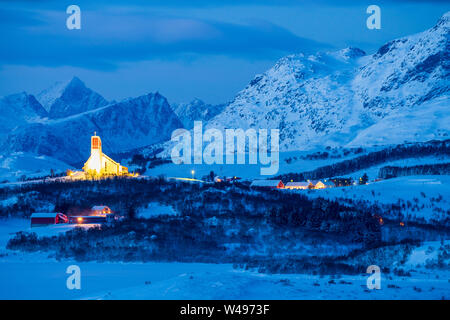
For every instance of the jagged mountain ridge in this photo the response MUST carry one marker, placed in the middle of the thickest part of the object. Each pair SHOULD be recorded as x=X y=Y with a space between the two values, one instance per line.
x=332 y=98
x=126 y=125
x=328 y=98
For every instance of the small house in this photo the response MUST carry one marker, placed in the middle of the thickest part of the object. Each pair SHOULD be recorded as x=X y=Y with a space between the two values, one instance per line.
x=47 y=218
x=268 y=184
x=317 y=184
x=100 y=210
x=297 y=185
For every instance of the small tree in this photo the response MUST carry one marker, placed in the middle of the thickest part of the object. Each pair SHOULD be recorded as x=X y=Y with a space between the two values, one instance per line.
x=364 y=179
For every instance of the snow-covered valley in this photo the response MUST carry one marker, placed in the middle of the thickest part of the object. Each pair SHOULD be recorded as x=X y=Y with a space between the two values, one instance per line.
x=38 y=276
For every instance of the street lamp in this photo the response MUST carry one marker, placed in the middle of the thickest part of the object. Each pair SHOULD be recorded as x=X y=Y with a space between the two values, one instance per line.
x=193 y=174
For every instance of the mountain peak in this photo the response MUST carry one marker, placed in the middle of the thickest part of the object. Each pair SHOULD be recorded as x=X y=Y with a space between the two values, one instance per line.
x=197 y=101
x=48 y=96
x=129 y=124
x=68 y=98
x=75 y=82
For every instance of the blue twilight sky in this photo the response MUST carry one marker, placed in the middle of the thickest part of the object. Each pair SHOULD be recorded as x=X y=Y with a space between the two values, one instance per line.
x=184 y=48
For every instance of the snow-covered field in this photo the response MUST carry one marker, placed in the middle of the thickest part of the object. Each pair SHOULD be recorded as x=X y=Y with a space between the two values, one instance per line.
x=222 y=282
x=38 y=276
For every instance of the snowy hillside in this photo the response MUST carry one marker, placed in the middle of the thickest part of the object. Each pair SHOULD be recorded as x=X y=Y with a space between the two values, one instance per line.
x=425 y=198
x=125 y=125
x=68 y=98
x=18 y=110
x=405 y=72
x=328 y=98
x=430 y=121
x=196 y=110
x=15 y=166
x=306 y=97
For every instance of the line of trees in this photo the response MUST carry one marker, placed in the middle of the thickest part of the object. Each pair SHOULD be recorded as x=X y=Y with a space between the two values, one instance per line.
x=426 y=169
x=211 y=217
x=402 y=151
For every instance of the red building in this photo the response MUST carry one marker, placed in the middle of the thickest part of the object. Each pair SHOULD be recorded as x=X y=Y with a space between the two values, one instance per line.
x=47 y=218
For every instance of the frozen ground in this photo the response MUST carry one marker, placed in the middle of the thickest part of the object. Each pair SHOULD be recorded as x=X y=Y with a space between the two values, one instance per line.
x=38 y=276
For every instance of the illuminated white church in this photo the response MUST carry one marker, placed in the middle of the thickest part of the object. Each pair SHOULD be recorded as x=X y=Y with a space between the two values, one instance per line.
x=99 y=163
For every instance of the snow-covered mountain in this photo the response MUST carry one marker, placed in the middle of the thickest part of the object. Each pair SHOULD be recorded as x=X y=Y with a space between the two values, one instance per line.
x=196 y=110
x=123 y=126
x=341 y=98
x=18 y=110
x=64 y=99
x=329 y=98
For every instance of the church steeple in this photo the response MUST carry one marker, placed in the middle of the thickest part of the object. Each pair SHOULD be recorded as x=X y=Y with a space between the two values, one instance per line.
x=96 y=143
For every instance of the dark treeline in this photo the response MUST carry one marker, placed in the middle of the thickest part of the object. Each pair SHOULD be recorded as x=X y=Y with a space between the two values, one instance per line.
x=402 y=151
x=426 y=169
x=272 y=231
x=216 y=223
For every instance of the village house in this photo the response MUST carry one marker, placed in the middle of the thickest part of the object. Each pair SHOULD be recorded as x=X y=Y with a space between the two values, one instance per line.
x=297 y=185
x=100 y=210
x=47 y=218
x=317 y=184
x=268 y=184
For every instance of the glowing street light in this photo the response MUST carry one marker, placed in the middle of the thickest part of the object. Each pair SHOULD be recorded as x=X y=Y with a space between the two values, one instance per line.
x=193 y=174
